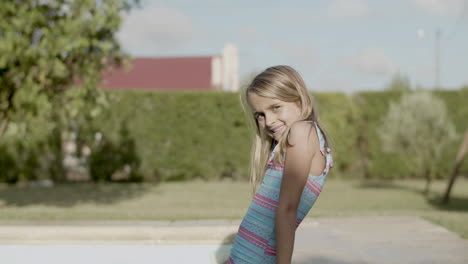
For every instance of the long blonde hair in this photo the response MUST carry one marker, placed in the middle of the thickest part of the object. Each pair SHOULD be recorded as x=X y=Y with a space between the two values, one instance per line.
x=283 y=83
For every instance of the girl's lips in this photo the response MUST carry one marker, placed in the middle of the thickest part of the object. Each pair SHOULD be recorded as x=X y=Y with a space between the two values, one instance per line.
x=279 y=129
x=276 y=131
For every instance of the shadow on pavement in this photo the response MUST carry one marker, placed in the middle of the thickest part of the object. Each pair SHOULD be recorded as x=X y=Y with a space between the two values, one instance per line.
x=434 y=199
x=456 y=204
x=388 y=185
x=223 y=251
x=69 y=194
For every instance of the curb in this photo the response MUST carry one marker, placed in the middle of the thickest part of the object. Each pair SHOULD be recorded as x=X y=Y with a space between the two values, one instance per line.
x=118 y=232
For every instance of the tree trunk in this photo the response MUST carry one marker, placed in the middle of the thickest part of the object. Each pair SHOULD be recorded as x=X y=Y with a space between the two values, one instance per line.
x=428 y=181
x=56 y=141
x=3 y=126
x=460 y=156
x=5 y=119
x=363 y=147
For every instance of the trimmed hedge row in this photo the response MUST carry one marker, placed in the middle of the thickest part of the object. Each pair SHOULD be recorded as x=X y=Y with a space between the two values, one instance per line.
x=186 y=135
x=183 y=135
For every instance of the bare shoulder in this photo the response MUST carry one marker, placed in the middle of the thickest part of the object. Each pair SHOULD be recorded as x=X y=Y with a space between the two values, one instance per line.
x=303 y=133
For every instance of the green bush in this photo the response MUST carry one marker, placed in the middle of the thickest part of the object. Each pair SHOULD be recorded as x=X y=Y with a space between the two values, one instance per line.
x=384 y=165
x=182 y=135
x=115 y=161
x=417 y=128
x=457 y=109
x=339 y=115
x=19 y=161
x=185 y=135
x=172 y=136
x=9 y=170
x=377 y=163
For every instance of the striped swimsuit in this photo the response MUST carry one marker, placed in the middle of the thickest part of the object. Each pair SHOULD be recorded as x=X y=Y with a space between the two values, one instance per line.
x=255 y=241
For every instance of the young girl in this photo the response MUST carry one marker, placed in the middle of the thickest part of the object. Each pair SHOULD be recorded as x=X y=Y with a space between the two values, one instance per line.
x=290 y=161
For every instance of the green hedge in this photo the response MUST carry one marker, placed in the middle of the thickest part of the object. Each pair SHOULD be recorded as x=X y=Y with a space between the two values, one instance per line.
x=185 y=135
x=339 y=116
x=182 y=135
x=378 y=164
x=457 y=106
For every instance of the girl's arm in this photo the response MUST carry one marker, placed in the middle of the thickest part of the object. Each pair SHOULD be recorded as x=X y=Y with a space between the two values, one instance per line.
x=304 y=141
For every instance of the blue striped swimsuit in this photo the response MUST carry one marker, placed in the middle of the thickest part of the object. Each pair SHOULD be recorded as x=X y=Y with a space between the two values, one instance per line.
x=255 y=241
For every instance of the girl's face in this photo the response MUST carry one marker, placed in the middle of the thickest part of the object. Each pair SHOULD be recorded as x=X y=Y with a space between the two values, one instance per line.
x=274 y=115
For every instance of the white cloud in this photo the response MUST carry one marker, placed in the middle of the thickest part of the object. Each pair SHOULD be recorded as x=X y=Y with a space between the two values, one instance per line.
x=333 y=85
x=371 y=61
x=155 y=28
x=440 y=7
x=300 y=55
x=345 y=9
x=301 y=15
x=249 y=32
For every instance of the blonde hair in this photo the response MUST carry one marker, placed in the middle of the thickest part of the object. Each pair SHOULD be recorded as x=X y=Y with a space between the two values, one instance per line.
x=283 y=83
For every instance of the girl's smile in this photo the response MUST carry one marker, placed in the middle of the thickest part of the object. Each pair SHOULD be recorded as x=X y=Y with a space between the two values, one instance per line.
x=273 y=115
x=278 y=130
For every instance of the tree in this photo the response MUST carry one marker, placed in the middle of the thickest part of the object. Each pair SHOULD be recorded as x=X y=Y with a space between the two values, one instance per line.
x=399 y=82
x=418 y=127
x=49 y=46
x=458 y=162
x=52 y=54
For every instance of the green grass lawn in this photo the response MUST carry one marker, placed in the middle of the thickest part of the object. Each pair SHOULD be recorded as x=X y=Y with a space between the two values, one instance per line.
x=227 y=200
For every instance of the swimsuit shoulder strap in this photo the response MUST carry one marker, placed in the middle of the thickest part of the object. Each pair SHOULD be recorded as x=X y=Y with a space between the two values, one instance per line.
x=326 y=151
x=321 y=140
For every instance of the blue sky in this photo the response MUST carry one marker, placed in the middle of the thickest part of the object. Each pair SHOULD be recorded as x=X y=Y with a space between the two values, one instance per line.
x=337 y=45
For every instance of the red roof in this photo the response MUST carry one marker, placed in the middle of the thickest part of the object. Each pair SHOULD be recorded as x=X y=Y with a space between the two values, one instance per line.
x=192 y=73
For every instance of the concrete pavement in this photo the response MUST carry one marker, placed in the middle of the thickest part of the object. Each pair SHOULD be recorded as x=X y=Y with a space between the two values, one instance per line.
x=347 y=240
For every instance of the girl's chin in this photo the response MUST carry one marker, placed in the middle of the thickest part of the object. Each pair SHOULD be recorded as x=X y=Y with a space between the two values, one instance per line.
x=273 y=136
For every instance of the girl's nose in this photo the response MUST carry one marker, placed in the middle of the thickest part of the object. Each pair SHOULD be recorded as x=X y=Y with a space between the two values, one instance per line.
x=269 y=120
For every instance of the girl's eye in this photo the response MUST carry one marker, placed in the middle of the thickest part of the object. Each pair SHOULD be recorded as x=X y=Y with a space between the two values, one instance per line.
x=277 y=106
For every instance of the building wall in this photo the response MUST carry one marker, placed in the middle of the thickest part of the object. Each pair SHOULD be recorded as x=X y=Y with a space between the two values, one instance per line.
x=178 y=73
x=162 y=74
